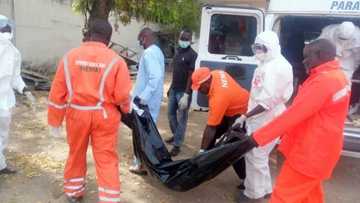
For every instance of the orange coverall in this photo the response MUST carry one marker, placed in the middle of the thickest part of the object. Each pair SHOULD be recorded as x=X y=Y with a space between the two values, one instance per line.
x=312 y=135
x=226 y=98
x=91 y=82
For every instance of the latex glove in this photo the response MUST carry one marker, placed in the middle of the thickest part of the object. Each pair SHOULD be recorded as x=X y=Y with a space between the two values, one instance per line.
x=201 y=151
x=184 y=101
x=239 y=122
x=30 y=97
x=55 y=131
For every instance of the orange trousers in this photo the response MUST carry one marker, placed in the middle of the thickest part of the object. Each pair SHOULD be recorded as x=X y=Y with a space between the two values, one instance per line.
x=85 y=126
x=294 y=187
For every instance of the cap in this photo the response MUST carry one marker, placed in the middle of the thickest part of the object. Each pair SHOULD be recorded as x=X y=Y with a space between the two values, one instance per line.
x=199 y=76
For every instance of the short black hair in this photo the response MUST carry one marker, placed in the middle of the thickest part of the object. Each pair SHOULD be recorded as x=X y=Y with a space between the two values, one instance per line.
x=187 y=30
x=325 y=48
x=147 y=32
x=100 y=28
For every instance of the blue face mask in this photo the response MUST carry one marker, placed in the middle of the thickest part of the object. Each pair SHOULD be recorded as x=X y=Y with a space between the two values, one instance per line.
x=184 y=44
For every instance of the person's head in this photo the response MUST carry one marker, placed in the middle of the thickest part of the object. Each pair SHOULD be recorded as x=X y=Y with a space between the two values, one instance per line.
x=345 y=31
x=318 y=52
x=146 y=37
x=100 y=31
x=185 y=38
x=6 y=30
x=201 y=80
x=266 y=46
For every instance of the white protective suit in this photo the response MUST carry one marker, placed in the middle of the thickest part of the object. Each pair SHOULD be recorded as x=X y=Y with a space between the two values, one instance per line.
x=10 y=79
x=272 y=87
x=346 y=37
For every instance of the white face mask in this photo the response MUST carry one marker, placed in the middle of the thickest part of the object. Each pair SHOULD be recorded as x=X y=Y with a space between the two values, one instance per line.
x=260 y=56
x=184 y=44
x=7 y=35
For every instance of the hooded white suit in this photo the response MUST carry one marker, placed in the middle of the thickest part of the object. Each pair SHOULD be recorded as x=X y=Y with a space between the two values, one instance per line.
x=10 y=79
x=272 y=87
x=346 y=37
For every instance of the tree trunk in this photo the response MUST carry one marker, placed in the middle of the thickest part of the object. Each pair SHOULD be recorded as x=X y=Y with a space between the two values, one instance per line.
x=101 y=9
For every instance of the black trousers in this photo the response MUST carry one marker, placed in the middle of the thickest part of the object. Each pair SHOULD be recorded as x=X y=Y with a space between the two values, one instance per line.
x=355 y=88
x=224 y=126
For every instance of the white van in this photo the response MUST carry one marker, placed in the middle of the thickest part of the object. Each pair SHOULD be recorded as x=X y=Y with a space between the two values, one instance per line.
x=228 y=31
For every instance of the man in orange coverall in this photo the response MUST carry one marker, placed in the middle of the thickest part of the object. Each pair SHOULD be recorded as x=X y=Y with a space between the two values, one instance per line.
x=90 y=84
x=311 y=130
x=227 y=102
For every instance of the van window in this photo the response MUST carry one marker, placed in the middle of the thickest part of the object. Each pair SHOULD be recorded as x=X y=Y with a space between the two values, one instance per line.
x=232 y=34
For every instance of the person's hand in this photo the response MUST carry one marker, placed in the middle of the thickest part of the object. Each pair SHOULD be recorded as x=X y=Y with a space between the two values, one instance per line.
x=30 y=97
x=168 y=92
x=239 y=122
x=184 y=101
x=201 y=151
x=55 y=131
x=139 y=101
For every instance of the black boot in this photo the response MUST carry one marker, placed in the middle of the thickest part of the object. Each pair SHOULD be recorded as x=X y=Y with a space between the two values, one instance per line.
x=175 y=151
x=74 y=199
x=7 y=171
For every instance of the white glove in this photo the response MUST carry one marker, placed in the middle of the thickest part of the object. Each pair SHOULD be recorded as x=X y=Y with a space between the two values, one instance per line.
x=30 y=97
x=201 y=151
x=135 y=108
x=240 y=121
x=184 y=101
x=55 y=131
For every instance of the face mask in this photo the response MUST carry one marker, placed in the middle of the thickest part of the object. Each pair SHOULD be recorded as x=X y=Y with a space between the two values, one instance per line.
x=184 y=44
x=260 y=56
x=7 y=35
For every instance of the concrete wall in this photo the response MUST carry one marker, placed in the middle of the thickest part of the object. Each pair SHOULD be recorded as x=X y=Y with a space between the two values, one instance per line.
x=46 y=29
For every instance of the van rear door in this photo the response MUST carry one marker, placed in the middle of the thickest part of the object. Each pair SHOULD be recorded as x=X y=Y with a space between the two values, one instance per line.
x=226 y=36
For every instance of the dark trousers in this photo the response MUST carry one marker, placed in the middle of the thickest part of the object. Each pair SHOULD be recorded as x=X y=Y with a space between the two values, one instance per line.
x=355 y=88
x=225 y=125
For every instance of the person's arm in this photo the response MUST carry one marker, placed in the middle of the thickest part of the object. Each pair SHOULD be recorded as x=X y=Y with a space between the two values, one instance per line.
x=188 y=82
x=154 y=70
x=208 y=137
x=17 y=82
x=217 y=108
x=190 y=72
x=306 y=104
x=122 y=87
x=57 y=98
x=255 y=111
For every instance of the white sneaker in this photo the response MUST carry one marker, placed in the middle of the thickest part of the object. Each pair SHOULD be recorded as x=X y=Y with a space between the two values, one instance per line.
x=353 y=109
x=137 y=168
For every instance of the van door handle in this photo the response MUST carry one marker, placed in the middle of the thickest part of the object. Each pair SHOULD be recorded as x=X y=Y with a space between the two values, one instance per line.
x=231 y=57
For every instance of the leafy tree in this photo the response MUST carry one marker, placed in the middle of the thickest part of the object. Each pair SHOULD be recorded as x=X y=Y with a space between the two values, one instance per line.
x=173 y=15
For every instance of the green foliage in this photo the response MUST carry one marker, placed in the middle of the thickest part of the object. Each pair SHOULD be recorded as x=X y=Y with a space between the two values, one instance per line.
x=173 y=15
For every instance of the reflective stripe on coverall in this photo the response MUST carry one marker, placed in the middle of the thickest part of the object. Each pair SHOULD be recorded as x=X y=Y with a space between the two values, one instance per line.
x=312 y=131
x=90 y=83
x=272 y=86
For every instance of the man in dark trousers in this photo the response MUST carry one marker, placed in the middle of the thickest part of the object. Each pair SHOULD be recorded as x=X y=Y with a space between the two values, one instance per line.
x=180 y=92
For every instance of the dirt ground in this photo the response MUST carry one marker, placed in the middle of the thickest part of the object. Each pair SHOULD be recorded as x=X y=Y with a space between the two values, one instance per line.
x=40 y=159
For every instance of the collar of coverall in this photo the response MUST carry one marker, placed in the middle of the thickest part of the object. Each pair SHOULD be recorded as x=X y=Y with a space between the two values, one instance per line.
x=330 y=65
x=94 y=43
